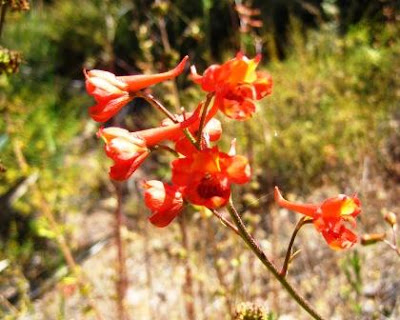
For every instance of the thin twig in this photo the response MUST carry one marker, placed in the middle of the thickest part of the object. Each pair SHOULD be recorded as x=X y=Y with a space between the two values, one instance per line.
x=220 y=273
x=44 y=207
x=393 y=247
x=122 y=278
x=225 y=221
x=157 y=104
x=252 y=244
x=82 y=280
x=394 y=234
x=188 y=285
x=304 y=220
x=3 y=8
x=203 y=120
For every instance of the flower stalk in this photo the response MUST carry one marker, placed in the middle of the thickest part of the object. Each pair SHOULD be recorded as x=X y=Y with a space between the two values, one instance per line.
x=289 y=256
x=188 y=285
x=252 y=244
x=122 y=280
x=156 y=104
x=203 y=120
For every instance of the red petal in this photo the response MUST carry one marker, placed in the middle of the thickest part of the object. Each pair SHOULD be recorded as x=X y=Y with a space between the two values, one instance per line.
x=106 y=109
x=162 y=219
x=342 y=240
x=141 y=81
x=237 y=168
x=123 y=169
x=306 y=209
x=238 y=109
x=164 y=200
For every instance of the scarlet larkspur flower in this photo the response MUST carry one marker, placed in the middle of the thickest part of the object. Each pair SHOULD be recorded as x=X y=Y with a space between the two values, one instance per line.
x=206 y=176
x=236 y=84
x=112 y=93
x=130 y=149
x=329 y=217
x=126 y=149
x=165 y=202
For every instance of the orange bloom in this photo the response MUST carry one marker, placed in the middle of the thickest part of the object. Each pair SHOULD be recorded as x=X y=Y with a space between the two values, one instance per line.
x=130 y=149
x=163 y=200
x=112 y=93
x=206 y=176
x=329 y=217
x=126 y=149
x=236 y=84
x=141 y=81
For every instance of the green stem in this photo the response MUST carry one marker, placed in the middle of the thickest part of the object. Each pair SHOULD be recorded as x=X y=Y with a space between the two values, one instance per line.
x=166 y=148
x=192 y=139
x=245 y=235
x=299 y=225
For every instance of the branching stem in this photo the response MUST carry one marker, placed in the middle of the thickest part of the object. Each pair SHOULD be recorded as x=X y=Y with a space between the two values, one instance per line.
x=304 y=220
x=225 y=221
x=252 y=244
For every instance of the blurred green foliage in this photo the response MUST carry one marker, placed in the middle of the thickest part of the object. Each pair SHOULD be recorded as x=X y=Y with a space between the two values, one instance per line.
x=333 y=103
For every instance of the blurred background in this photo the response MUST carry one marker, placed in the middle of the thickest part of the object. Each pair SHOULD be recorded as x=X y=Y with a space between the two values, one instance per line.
x=332 y=125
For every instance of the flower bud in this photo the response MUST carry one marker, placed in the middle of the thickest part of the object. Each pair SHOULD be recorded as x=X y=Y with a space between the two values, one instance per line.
x=371 y=238
x=390 y=218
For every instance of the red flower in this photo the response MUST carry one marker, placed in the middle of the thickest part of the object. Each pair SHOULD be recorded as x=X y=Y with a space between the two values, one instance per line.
x=329 y=217
x=112 y=93
x=207 y=175
x=130 y=149
x=163 y=200
x=126 y=149
x=141 y=81
x=236 y=85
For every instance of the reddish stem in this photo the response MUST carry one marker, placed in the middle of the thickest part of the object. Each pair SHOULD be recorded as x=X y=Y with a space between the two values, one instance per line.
x=299 y=225
x=122 y=280
x=188 y=285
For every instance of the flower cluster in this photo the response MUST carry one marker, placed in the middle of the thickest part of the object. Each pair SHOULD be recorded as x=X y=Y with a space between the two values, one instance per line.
x=201 y=173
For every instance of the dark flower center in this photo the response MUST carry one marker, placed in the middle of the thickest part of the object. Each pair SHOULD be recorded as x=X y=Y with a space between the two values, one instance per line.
x=213 y=186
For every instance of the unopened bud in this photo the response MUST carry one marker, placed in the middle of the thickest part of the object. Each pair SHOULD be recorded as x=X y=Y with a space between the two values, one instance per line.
x=371 y=238
x=390 y=217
